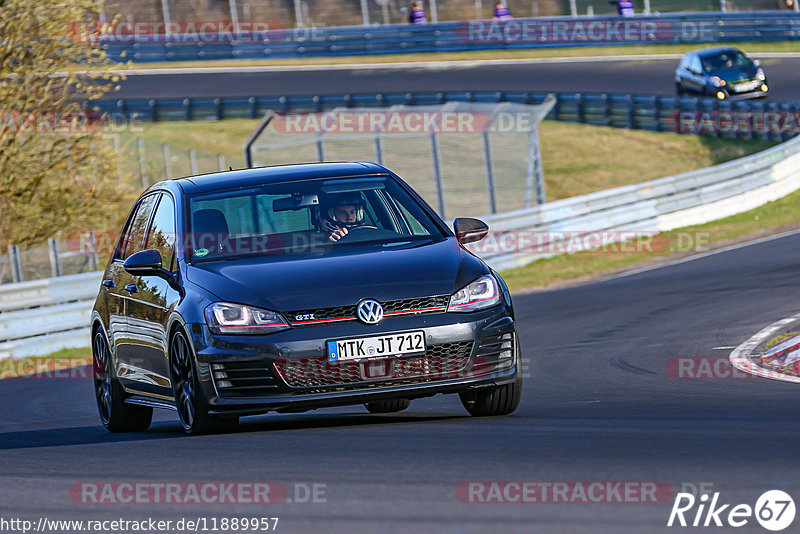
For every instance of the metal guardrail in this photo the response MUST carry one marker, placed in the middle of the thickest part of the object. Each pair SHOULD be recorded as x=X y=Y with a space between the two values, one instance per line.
x=659 y=205
x=655 y=206
x=639 y=112
x=455 y=36
x=43 y=316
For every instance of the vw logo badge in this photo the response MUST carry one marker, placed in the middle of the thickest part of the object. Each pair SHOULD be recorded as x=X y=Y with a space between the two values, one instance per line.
x=370 y=311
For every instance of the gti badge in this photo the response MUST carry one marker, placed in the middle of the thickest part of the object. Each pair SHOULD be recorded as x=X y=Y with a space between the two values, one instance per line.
x=370 y=311
x=304 y=317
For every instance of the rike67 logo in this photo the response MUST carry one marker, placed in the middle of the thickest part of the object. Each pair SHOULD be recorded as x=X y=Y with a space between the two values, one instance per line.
x=774 y=510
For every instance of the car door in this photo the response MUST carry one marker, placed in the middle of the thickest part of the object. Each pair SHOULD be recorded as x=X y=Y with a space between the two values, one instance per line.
x=149 y=305
x=696 y=79
x=130 y=369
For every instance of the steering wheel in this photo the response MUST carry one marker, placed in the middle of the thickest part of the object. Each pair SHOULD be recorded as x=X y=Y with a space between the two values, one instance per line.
x=351 y=231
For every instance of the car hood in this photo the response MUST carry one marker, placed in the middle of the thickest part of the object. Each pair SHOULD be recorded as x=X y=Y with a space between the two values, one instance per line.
x=294 y=283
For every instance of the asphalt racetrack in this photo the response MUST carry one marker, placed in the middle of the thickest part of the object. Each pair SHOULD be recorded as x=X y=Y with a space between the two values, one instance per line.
x=620 y=76
x=602 y=402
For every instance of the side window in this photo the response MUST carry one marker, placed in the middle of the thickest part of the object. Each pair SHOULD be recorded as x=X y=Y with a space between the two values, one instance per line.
x=695 y=64
x=162 y=232
x=413 y=223
x=134 y=234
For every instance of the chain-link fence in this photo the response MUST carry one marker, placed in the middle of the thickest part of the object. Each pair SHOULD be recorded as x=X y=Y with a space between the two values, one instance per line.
x=141 y=163
x=465 y=159
x=312 y=13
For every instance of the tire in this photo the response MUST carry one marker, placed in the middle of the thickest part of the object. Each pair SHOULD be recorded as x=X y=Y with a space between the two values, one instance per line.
x=388 y=406
x=679 y=89
x=191 y=405
x=115 y=414
x=498 y=400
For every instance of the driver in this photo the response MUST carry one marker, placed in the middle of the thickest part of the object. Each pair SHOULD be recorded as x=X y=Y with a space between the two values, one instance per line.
x=342 y=213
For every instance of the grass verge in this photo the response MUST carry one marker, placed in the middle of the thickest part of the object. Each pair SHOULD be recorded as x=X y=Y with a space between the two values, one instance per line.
x=771 y=218
x=534 y=53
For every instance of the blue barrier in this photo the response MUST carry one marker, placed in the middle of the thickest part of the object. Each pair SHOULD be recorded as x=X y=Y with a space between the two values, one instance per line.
x=455 y=36
x=641 y=112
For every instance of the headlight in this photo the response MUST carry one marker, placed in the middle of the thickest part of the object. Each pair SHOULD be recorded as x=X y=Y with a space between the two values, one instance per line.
x=226 y=318
x=760 y=74
x=482 y=293
x=717 y=81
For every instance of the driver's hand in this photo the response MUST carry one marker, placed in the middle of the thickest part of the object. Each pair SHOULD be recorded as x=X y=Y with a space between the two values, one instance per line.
x=336 y=235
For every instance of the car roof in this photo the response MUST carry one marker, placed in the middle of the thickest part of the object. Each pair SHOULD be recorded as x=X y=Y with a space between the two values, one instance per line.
x=716 y=50
x=219 y=181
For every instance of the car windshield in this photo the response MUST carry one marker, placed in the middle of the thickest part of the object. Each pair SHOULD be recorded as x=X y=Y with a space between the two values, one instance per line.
x=306 y=217
x=731 y=59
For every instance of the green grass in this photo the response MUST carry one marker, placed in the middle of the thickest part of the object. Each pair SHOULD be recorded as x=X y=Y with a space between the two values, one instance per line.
x=49 y=366
x=590 y=51
x=772 y=217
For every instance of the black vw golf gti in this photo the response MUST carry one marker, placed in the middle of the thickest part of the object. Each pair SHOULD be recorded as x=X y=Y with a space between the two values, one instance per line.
x=293 y=288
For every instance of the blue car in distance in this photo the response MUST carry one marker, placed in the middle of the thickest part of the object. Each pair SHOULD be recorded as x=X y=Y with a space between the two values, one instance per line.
x=725 y=73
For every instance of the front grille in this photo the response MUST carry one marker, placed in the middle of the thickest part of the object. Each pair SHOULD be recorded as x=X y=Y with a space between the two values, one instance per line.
x=243 y=379
x=348 y=313
x=439 y=361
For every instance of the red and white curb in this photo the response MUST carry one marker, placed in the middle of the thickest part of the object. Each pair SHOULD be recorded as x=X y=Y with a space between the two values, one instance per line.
x=741 y=355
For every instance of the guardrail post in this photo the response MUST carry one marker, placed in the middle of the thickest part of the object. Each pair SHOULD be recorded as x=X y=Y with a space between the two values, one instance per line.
x=167 y=163
x=153 y=109
x=94 y=256
x=317 y=104
x=580 y=112
x=193 y=160
x=657 y=113
x=631 y=112
x=379 y=149
x=142 y=162
x=187 y=109
x=534 y=175
x=118 y=150
x=487 y=157
x=557 y=108
x=121 y=107
x=221 y=162
x=218 y=109
x=55 y=261
x=606 y=109
x=253 y=107
x=320 y=149
x=437 y=173
x=16 y=265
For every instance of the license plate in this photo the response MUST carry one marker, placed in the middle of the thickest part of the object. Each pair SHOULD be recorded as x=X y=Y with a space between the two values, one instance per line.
x=748 y=86
x=376 y=346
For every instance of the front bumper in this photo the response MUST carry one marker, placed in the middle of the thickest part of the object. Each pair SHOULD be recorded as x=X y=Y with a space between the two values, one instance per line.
x=734 y=96
x=289 y=370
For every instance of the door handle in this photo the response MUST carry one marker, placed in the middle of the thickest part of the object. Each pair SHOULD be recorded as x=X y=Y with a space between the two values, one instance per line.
x=109 y=283
x=131 y=288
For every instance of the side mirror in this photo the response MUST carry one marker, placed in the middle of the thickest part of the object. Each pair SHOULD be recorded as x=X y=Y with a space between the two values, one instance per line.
x=144 y=263
x=469 y=230
x=757 y=62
